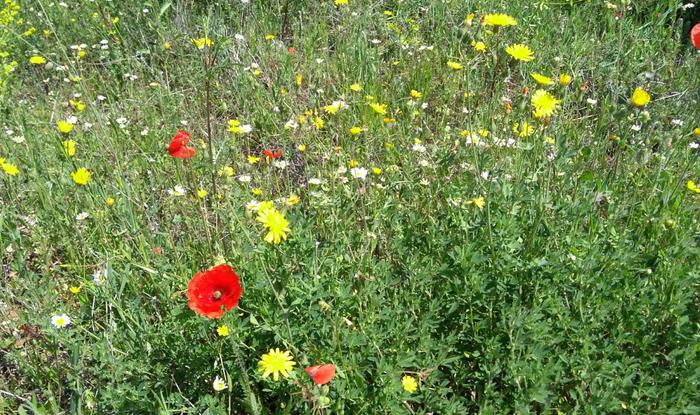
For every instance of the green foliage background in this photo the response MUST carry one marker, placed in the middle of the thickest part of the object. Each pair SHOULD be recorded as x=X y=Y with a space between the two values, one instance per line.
x=574 y=291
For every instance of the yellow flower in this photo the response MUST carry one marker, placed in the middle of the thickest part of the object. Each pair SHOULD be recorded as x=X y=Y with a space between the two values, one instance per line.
x=201 y=193
x=9 y=168
x=696 y=131
x=298 y=79
x=81 y=176
x=341 y=2
x=499 y=19
x=693 y=187
x=380 y=109
x=479 y=46
x=252 y=159
x=110 y=201
x=541 y=79
x=545 y=104
x=409 y=383
x=74 y=289
x=222 y=330
x=301 y=148
x=479 y=202
x=257 y=191
x=64 y=127
x=265 y=205
x=292 y=200
x=376 y=171
x=520 y=52
x=353 y=163
x=276 y=224
x=334 y=107
x=77 y=104
x=415 y=94
x=276 y=362
x=455 y=65
x=565 y=79
x=318 y=122
x=235 y=127
x=202 y=42
x=270 y=36
x=469 y=19
x=524 y=130
x=356 y=87
x=167 y=45
x=388 y=13
x=227 y=171
x=640 y=97
x=37 y=60
x=69 y=147
x=355 y=130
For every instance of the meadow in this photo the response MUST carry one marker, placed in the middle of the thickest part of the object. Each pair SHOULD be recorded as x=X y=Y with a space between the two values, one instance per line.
x=349 y=207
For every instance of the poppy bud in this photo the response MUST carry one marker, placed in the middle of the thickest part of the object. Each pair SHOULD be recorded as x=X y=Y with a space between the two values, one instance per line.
x=695 y=36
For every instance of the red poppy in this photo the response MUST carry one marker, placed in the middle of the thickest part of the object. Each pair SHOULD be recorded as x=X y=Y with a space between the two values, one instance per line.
x=321 y=374
x=178 y=146
x=291 y=50
x=273 y=154
x=211 y=293
x=695 y=36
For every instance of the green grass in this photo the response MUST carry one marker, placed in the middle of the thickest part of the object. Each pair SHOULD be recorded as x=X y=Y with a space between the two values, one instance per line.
x=573 y=290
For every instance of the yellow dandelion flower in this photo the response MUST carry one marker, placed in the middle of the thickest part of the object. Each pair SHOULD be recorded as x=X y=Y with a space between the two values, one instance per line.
x=565 y=79
x=292 y=200
x=409 y=383
x=355 y=130
x=201 y=193
x=544 y=103
x=341 y=2
x=356 y=87
x=479 y=202
x=110 y=201
x=380 y=109
x=301 y=148
x=9 y=168
x=276 y=224
x=693 y=187
x=376 y=171
x=499 y=19
x=523 y=130
x=520 y=52
x=541 y=79
x=69 y=147
x=318 y=123
x=455 y=65
x=415 y=94
x=276 y=362
x=298 y=79
x=64 y=127
x=222 y=330
x=270 y=36
x=74 y=290
x=81 y=176
x=202 y=42
x=37 y=60
x=640 y=97
x=253 y=160
x=77 y=104
x=479 y=46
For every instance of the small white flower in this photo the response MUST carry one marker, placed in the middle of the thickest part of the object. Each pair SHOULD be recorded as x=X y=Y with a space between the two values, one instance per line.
x=636 y=128
x=677 y=122
x=252 y=205
x=342 y=170
x=239 y=36
x=424 y=163
x=19 y=139
x=99 y=277
x=315 y=181
x=376 y=41
x=72 y=119
x=81 y=216
x=245 y=178
x=87 y=126
x=121 y=121
x=358 y=173
x=60 y=321
x=101 y=97
x=281 y=164
x=144 y=132
x=420 y=148
x=177 y=191
x=591 y=101
x=694 y=145
x=219 y=384
x=291 y=125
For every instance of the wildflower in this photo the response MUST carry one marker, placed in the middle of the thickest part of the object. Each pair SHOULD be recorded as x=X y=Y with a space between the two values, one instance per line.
x=270 y=37
x=696 y=131
x=292 y=200
x=64 y=127
x=9 y=168
x=110 y=201
x=376 y=171
x=69 y=147
x=545 y=104
x=273 y=154
x=479 y=46
x=640 y=97
x=37 y=60
x=353 y=163
x=202 y=42
x=60 y=321
x=77 y=104
x=74 y=290
x=498 y=19
x=215 y=291
x=355 y=130
x=693 y=187
x=356 y=87
x=276 y=362
x=178 y=146
x=455 y=65
x=409 y=383
x=318 y=123
x=252 y=159
x=524 y=130
x=321 y=374
x=415 y=94
x=81 y=176
x=301 y=148
x=564 y=79
x=167 y=45
x=341 y=2
x=358 y=173
x=520 y=52
x=479 y=202
x=227 y=171
x=695 y=36
x=335 y=107
x=235 y=127
x=276 y=224
x=418 y=148
x=222 y=330
x=541 y=79
x=218 y=384
x=380 y=109
x=201 y=193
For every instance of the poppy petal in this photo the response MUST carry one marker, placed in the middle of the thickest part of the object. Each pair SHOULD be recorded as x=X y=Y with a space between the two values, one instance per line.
x=321 y=374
